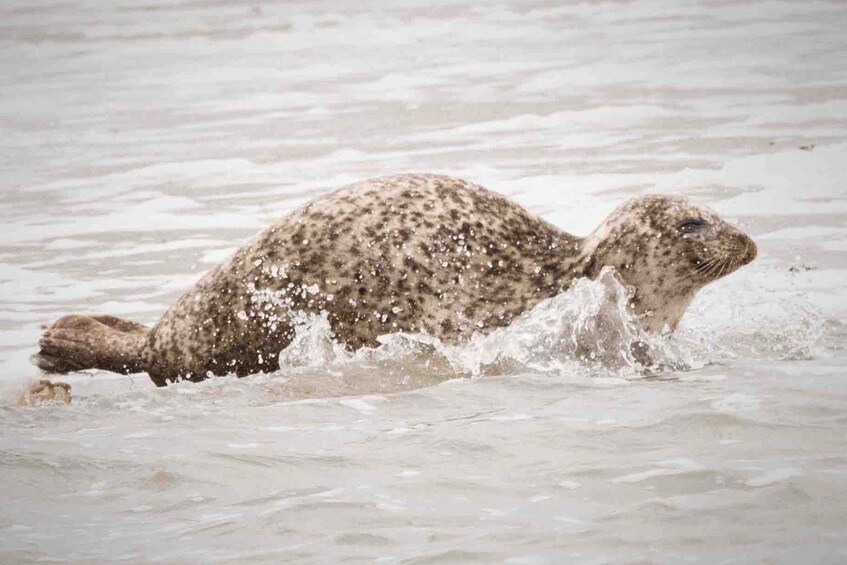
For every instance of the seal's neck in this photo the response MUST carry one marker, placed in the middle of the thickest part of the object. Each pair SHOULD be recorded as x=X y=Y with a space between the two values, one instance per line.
x=658 y=313
x=656 y=300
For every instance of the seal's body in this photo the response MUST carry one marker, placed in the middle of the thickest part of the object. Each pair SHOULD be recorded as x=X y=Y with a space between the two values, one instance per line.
x=407 y=253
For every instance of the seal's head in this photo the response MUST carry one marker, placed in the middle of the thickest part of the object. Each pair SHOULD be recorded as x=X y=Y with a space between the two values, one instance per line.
x=666 y=249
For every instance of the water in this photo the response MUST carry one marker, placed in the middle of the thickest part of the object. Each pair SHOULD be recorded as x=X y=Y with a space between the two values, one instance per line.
x=142 y=143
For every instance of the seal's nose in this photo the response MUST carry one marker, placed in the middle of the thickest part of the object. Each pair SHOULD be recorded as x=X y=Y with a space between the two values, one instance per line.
x=741 y=248
x=751 y=250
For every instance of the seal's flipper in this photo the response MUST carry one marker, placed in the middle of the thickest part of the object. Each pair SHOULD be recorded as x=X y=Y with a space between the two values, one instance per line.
x=75 y=342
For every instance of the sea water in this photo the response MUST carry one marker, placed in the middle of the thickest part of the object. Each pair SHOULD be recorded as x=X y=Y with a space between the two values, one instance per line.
x=141 y=143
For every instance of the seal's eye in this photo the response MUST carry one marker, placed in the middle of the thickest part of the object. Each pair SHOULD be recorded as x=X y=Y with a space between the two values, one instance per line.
x=691 y=225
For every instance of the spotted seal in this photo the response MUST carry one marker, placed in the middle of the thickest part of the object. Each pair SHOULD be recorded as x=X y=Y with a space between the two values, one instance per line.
x=405 y=253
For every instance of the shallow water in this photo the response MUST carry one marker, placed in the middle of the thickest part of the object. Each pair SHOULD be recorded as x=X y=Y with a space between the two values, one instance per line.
x=142 y=143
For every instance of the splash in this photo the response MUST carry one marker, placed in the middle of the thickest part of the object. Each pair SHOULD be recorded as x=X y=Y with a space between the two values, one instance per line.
x=587 y=331
x=590 y=327
x=758 y=321
x=313 y=345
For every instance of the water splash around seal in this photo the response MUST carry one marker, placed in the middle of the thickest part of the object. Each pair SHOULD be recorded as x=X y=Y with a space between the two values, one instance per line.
x=588 y=330
x=589 y=325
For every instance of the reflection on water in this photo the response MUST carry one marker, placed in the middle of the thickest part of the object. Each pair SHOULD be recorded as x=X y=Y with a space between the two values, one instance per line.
x=142 y=143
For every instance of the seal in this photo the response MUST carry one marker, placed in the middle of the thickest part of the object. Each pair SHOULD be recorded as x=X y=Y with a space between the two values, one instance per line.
x=404 y=253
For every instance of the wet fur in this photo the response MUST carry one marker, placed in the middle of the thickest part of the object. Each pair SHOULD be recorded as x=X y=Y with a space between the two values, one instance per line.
x=407 y=253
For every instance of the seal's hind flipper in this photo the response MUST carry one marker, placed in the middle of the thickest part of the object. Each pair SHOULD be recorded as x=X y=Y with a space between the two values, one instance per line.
x=75 y=343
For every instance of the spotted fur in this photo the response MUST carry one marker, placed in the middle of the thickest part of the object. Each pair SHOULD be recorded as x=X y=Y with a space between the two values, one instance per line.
x=411 y=253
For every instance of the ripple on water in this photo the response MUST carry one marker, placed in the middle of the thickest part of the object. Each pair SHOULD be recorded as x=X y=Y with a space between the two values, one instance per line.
x=123 y=183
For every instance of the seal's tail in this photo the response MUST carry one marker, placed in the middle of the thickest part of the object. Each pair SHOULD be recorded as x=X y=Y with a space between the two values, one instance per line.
x=73 y=343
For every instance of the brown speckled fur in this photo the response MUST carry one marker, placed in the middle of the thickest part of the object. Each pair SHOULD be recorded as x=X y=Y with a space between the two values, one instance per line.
x=410 y=253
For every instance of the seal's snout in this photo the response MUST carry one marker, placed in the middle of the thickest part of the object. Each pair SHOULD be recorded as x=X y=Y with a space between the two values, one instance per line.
x=752 y=251
x=740 y=249
x=745 y=248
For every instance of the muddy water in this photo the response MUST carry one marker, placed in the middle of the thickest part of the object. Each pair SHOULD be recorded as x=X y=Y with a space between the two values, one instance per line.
x=141 y=143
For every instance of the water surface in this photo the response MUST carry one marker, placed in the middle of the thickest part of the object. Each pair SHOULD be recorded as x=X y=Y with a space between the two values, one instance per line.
x=141 y=143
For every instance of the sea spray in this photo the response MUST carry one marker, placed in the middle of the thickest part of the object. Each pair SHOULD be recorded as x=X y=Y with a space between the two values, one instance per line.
x=590 y=325
x=588 y=329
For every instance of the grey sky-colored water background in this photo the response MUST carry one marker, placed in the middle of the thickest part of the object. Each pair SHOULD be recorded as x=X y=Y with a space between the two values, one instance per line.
x=141 y=142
